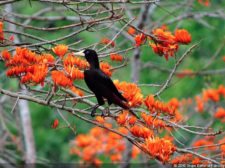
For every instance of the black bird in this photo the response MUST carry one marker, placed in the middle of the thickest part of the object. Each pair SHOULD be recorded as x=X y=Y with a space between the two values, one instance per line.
x=100 y=84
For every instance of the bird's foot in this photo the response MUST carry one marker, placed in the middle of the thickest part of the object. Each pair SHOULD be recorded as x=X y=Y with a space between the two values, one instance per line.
x=93 y=112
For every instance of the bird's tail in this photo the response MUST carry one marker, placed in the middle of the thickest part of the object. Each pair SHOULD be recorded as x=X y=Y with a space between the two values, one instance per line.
x=124 y=105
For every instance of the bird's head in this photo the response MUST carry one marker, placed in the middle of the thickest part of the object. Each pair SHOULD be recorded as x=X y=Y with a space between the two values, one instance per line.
x=91 y=57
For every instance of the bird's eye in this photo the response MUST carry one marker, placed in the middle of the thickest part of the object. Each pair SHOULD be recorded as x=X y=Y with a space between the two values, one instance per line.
x=87 y=52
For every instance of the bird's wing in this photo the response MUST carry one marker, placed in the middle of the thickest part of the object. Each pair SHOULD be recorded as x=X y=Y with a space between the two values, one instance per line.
x=103 y=78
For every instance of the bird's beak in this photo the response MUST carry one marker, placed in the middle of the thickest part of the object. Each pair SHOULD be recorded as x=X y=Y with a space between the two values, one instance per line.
x=80 y=53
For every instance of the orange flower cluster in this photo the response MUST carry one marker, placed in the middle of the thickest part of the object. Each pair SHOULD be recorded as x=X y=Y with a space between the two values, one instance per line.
x=182 y=36
x=220 y=114
x=27 y=65
x=182 y=159
x=167 y=43
x=204 y=2
x=101 y=142
x=199 y=103
x=70 y=61
x=209 y=95
x=1 y=32
x=154 y=122
x=141 y=131
x=6 y=55
x=116 y=57
x=107 y=41
x=106 y=68
x=205 y=141
x=160 y=148
x=158 y=106
x=74 y=73
x=60 y=50
x=131 y=92
x=131 y=31
x=124 y=118
x=59 y=78
x=33 y=68
x=140 y=39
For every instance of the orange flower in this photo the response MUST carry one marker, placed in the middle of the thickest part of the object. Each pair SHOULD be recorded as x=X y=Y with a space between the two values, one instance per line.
x=1 y=32
x=135 y=152
x=150 y=121
x=163 y=36
x=60 y=79
x=71 y=60
x=220 y=113
x=100 y=119
x=116 y=157
x=185 y=158
x=221 y=90
x=200 y=104
x=116 y=57
x=131 y=31
x=106 y=68
x=140 y=131
x=46 y=59
x=159 y=148
x=196 y=161
x=77 y=91
x=23 y=57
x=83 y=140
x=123 y=130
x=122 y=118
x=157 y=106
x=139 y=39
x=15 y=71
x=6 y=55
x=224 y=58
x=174 y=102
x=182 y=36
x=167 y=51
x=27 y=65
x=185 y=73
x=211 y=94
x=131 y=92
x=60 y=50
x=100 y=142
x=132 y=120
x=222 y=148
x=55 y=123
x=107 y=41
x=203 y=142
x=165 y=43
x=204 y=2
x=74 y=72
x=88 y=154
x=39 y=73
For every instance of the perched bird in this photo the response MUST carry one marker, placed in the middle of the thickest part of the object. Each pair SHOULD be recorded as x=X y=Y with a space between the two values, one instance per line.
x=100 y=84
